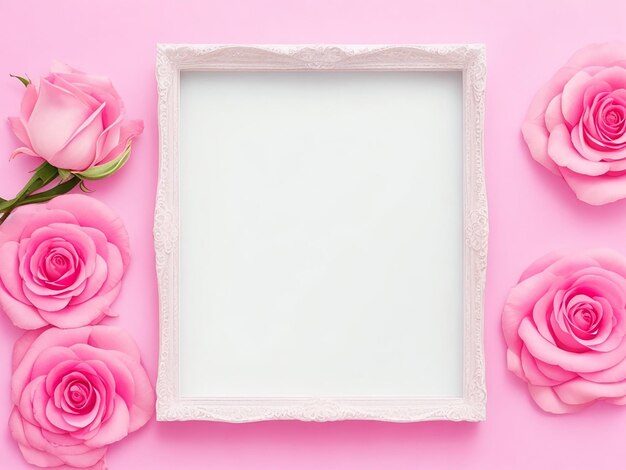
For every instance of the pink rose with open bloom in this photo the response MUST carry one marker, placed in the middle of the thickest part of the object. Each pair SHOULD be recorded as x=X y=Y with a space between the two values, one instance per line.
x=62 y=262
x=75 y=392
x=75 y=122
x=564 y=325
x=576 y=125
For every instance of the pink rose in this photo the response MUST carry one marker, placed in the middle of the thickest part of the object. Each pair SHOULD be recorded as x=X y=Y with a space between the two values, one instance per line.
x=564 y=324
x=75 y=392
x=62 y=262
x=74 y=121
x=576 y=125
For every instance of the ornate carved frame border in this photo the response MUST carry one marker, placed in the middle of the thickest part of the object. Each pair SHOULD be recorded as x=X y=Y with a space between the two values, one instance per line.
x=470 y=59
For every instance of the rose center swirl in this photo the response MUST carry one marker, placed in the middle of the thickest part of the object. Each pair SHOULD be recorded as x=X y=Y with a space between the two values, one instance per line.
x=77 y=394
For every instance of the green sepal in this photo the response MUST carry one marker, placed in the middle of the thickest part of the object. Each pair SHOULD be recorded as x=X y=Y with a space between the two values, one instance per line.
x=102 y=171
x=84 y=188
x=65 y=175
x=25 y=81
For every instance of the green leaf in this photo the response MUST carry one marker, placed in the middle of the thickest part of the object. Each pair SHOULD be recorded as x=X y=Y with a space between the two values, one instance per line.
x=52 y=193
x=44 y=175
x=102 y=171
x=25 y=81
x=5 y=205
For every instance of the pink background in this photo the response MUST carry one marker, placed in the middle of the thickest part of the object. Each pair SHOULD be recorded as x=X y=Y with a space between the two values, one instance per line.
x=531 y=212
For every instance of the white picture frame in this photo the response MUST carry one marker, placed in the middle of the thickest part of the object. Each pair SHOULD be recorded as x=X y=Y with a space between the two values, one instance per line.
x=175 y=61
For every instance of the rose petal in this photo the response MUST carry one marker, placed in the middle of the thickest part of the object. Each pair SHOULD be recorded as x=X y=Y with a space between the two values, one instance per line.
x=532 y=374
x=51 y=358
x=121 y=375
x=79 y=151
x=614 y=76
x=554 y=116
x=547 y=352
x=549 y=401
x=21 y=315
x=617 y=373
x=88 y=81
x=519 y=305
x=115 y=268
x=28 y=103
x=536 y=137
x=31 y=455
x=573 y=263
x=609 y=260
x=18 y=128
x=32 y=396
x=21 y=347
x=78 y=91
x=554 y=372
x=36 y=438
x=142 y=407
x=542 y=264
x=88 y=460
x=57 y=114
x=582 y=392
x=92 y=213
x=572 y=101
x=48 y=338
x=9 y=274
x=111 y=337
x=542 y=312
x=93 y=283
x=564 y=154
x=23 y=151
x=87 y=313
x=609 y=156
x=81 y=421
x=597 y=54
x=48 y=303
x=596 y=190
x=128 y=131
x=115 y=428
x=33 y=220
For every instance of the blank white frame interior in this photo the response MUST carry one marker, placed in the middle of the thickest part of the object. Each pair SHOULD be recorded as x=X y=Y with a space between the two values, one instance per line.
x=321 y=232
